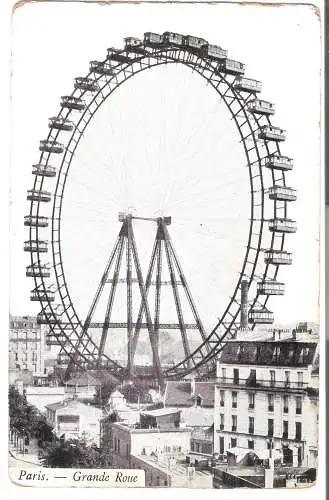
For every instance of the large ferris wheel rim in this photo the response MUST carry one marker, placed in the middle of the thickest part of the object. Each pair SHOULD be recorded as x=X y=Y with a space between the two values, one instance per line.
x=123 y=68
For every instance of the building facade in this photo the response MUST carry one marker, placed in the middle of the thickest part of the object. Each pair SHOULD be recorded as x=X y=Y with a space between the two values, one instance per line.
x=266 y=397
x=195 y=400
x=26 y=344
x=72 y=419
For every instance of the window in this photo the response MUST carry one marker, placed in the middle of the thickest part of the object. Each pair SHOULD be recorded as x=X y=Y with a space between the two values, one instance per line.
x=221 y=445
x=270 y=400
x=223 y=374
x=276 y=354
x=270 y=427
x=251 y=381
x=222 y=398
x=272 y=378
x=234 y=399
x=287 y=378
x=233 y=442
x=235 y=376
x=251 y=399
x=198 y=401
x=298 y=405
x=285 y=429
x=234 y=423
x=251 y=444
x=300 y=379
x=16 y=356
x=285 y=404
x=251 y=429
x=118 y=445
x=298 y=431
x=221 y=421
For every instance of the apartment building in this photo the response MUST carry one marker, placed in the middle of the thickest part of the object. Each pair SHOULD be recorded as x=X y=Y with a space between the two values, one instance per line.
x=26 y=344
x=266 y=396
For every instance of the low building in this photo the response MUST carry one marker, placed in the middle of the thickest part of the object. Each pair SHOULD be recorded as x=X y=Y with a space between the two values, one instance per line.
x=158 y=444
x=266 y=396
x=82 y=385
x=72 y=419
x=195 y=400
x=41 y=397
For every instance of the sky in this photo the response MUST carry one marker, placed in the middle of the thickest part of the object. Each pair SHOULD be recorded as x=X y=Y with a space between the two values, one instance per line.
x=165 y=145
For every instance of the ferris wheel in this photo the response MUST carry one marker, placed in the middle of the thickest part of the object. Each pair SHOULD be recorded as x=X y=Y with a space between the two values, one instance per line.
x=269 y=224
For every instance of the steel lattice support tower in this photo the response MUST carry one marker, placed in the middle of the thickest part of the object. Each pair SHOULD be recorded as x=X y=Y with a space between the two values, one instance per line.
x=163 y=253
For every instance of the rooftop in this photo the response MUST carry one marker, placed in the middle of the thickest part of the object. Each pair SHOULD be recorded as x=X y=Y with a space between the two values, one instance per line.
x=270 y=353
x=161 y=411
x=183 y=393
x=72 y=403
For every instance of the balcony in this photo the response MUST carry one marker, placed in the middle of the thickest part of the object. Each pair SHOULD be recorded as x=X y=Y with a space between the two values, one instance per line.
x=252 y=382
x=251 y=430
x=270 y=433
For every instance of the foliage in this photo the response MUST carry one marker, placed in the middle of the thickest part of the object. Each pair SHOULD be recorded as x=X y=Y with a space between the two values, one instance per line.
x=43 y=431
x=103 y=393
x=75 y=454
x=26 y=419
x=23 y=417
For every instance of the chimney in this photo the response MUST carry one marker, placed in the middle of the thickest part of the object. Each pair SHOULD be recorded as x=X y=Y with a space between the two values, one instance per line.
x=192 y=386
x=244 y=305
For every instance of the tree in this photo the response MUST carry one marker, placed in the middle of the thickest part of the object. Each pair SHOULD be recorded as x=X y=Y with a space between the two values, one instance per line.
x=103 y=393
x=25 y=419
x=43 y=431
x=75 y=454
x=23 y=416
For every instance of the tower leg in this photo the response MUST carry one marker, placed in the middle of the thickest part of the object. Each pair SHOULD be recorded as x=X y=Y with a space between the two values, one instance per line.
x=156 y=359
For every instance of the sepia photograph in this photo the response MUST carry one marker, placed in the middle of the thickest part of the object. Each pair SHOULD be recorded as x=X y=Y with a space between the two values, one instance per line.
x=165 y=228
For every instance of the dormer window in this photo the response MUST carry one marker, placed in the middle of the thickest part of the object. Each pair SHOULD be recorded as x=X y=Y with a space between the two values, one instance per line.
x=276 y=354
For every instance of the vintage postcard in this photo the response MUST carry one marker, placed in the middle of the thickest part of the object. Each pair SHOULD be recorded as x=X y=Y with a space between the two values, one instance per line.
x=165 y=182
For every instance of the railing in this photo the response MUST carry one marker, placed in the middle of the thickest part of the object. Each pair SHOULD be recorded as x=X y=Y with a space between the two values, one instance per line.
x=251 y=382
